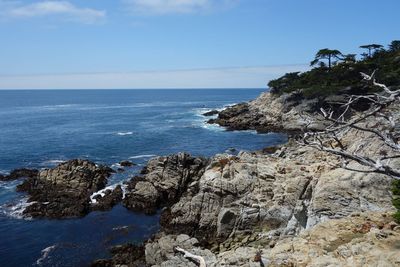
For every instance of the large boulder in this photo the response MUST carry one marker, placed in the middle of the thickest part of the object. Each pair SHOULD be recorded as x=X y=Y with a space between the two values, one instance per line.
x=163 y=182
x=65 y=190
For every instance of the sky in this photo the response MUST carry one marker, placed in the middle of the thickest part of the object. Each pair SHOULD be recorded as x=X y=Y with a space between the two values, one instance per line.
x=73 y=44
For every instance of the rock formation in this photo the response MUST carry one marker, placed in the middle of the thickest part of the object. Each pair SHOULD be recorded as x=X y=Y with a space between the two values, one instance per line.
x=127 y=163
x=64 y=191
x=268 y=113
x=163 y=182
x=210 y=113
x=109 y=199
x=278 y=207
x=19 y=173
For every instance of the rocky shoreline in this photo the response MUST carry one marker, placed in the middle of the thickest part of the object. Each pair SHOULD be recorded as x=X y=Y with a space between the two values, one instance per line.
x=283 y=206
x=270 y=113
x=276 y=207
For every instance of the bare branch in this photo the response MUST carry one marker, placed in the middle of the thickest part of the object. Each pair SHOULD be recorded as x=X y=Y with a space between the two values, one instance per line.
x=198 y=259
x=385 y=129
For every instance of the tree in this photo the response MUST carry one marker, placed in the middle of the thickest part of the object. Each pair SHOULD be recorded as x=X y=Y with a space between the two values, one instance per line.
x=371 y=48
x=394 y=46
x=349 y=58
x=326 y=54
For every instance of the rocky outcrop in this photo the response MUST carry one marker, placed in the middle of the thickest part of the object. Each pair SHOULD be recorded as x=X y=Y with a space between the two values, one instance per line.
x=19 y=173
x=124 y=255
x=281 y=206
x=127 y=163
x=158 y=251
x=108 y=199
x=361 y=239
x=211 y=113
x=232 y=207
x=163 y=182
x=269 y=113
x=368 y=239
x=64 y=191
x=282 y=194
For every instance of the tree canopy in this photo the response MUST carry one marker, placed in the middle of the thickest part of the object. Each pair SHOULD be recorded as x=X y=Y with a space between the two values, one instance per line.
x=371 y=48
x=343 y=76
x=328 y=54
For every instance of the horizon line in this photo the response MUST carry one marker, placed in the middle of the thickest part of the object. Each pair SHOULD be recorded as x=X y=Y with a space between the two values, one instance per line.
x=212 y=78
x=127 y=89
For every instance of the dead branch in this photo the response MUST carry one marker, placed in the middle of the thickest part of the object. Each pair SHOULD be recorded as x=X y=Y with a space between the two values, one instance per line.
x=197 y=259
x=386 y=130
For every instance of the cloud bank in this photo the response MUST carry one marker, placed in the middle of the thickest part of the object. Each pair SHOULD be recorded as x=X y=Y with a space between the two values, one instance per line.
x=249 y=77
x=65 y=9
x=160 y=7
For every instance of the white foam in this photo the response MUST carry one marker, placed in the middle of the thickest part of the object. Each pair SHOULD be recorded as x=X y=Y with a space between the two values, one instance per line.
x=230 y=105
x=124 y=133
x=45 y=253
x=16 y=210
x=102 y=192
x=119 y=228
x=53 y=162
x=143 y=156
x=213 y=127
x=9 y=185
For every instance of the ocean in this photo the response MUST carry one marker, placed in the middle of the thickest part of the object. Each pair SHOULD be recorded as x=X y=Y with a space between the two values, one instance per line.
x=41 y=128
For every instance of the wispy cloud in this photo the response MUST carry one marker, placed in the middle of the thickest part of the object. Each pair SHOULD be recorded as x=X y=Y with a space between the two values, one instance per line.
x=245 y=77
x=161 y=7
x=63 y=9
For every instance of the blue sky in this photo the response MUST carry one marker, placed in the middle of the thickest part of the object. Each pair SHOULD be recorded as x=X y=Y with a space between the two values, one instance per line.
x=179 y=43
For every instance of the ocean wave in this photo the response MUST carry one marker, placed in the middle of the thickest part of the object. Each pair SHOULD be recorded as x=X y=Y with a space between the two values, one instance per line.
x=45 y=253
x=9 y=185
x=143 y=156
x=4 y=172
x=212 y=127
x=124 y=133
x=116 y=165
x=230 y=105
x=52 y=162
x=16 y=210
x=102 y=192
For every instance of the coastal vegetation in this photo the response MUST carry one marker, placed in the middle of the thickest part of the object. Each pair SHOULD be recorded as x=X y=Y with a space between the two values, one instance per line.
x=338 y=73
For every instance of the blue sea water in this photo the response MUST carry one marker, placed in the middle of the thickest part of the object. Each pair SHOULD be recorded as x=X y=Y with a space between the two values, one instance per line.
x=40 y=128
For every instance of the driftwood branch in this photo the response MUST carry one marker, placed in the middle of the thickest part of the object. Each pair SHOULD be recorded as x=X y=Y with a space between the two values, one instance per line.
x=386 y=129
x=197 y=259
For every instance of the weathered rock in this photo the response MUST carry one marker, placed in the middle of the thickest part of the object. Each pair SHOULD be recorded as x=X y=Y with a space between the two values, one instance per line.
x=164 y=181
x=211 y=113
x=127 y=163
x=283 y=194
x=332 y=243
x=108 y=200
x=161 y=251
x=125 y=255
x=19 y=173
x=269 y=113
x=64 y=191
